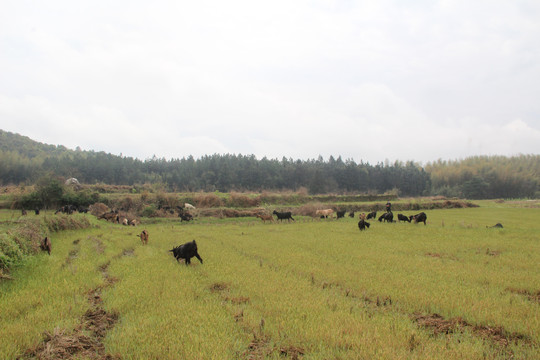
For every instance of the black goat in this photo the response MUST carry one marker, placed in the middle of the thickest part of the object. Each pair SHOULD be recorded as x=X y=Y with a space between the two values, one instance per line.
x=45 y=245
x=362 y=224
x=185 y=216
x=283 y=215
x=340 y=214
x=388 y=217
x=421 y=217
x=186 y=251
x=67 y=209
x=351 y=214
x=372 y=215
x=402 y=217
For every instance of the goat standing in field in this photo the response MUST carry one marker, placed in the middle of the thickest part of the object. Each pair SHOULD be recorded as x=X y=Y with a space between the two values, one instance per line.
x=388 y=217
x=45 y=245
x=362 y=224
x=186 y=251
x=144 y=237
x=372 y=215
x=421 y=217
x=283 y=216
x=325 y=213
x=402 y=217
x=265 y=217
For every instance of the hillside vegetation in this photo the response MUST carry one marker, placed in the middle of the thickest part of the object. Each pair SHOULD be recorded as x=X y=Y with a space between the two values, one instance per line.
x=24 y=161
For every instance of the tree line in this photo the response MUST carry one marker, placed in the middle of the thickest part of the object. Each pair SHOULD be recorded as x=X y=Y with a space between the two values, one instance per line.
x=24 y=161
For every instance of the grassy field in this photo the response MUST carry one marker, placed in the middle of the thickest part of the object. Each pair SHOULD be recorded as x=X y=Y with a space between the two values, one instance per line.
x=453 y=289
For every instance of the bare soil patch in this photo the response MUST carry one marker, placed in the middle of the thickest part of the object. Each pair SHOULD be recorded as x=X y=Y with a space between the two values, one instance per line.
x=217 y=287
x=532 y=296
x=442 y=256
x=497 y=335
x=239 y=300
x=86 y=340
x=292 y=352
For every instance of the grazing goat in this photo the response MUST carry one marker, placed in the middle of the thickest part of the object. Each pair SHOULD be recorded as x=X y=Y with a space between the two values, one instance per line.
x=66 y=209
x=283 y=216
x=45 y=245
x=185 y=217
x=265 y=217
x=189 y=206
x=351 y=214
x=109 y=216
x=362 y=224
x=340 y=214
x=388 y=217
x=402 y=217
x=326 y=213
x=421 y=217
x=186 y=251
x=372 y=215
x=144 y=237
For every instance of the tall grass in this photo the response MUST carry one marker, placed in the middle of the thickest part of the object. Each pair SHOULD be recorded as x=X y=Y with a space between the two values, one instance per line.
x=312 y=290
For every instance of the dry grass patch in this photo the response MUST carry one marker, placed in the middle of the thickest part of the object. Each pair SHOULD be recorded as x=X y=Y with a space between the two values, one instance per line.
x=497 y=335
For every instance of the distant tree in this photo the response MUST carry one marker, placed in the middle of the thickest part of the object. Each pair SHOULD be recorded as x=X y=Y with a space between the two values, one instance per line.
x=476 y=188
x=49 y=191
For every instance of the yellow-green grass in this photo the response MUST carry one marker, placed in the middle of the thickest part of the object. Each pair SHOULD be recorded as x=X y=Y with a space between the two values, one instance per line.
x=321 y=288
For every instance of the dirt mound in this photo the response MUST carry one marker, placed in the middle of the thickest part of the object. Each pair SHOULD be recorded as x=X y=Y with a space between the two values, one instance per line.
x=440 y=325
x=61 y=344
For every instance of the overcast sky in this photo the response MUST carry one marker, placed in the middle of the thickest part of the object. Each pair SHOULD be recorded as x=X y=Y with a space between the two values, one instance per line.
x=368 y=80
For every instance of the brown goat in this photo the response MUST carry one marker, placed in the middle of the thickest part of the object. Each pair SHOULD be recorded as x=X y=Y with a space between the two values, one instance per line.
x=265 y=217
x=326 y=213
x=144 y=237
x=46 y=245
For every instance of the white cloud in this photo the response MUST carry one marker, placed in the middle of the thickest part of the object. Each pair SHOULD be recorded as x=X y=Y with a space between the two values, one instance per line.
x=369 y=80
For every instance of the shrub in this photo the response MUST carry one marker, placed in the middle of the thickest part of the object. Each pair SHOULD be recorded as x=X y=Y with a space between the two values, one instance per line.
x=149 y=211
x=10 y=252
x=98 y=209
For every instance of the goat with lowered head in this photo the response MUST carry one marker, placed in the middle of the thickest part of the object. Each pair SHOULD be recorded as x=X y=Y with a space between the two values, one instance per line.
x=186 y=251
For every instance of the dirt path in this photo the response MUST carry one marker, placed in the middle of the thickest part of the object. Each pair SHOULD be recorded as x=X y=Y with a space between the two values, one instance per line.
x=86 y=339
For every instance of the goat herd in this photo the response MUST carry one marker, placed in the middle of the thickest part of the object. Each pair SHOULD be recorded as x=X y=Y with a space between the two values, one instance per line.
x=189 y=250
x=388 y=216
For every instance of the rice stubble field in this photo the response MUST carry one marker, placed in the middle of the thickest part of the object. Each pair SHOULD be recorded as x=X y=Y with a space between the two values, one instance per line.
x=310 y=289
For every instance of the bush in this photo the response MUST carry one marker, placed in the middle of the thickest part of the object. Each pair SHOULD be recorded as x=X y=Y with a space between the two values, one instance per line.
x=10 y=252
x=149 y=211
x=98 y=209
